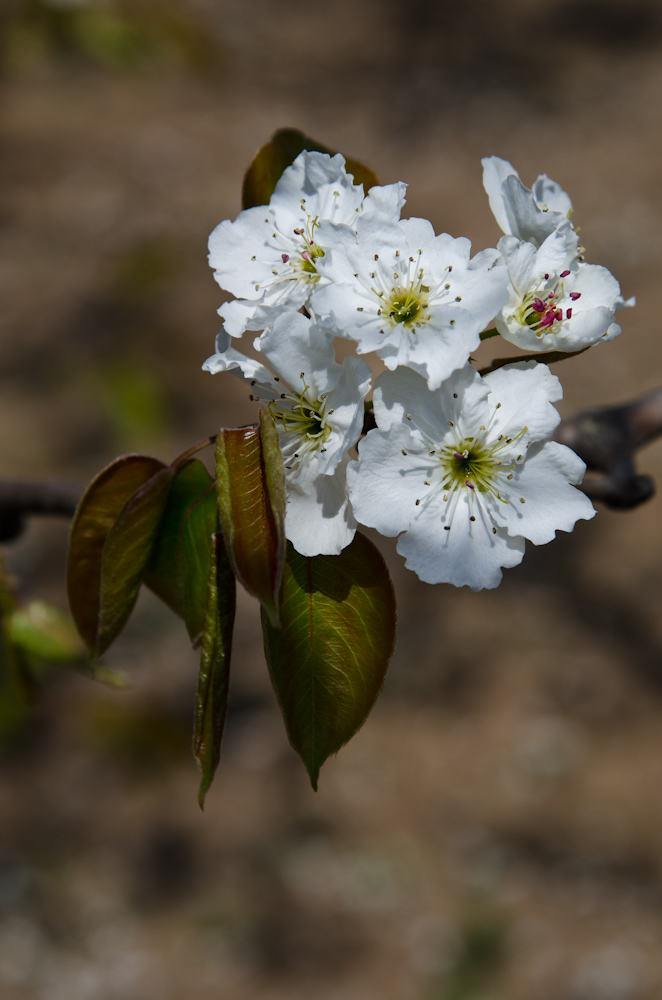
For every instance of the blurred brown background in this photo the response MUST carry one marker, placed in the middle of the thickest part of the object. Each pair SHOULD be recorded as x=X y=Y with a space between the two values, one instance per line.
x=494 y=829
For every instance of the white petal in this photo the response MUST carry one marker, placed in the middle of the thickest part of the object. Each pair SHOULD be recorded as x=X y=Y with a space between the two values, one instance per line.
x=301 y=352
x=388 y=200
x=385 y=483
x=525 y=391
x=548 y=192
x=551 y=502
x=318 y=516
x=227 y=359
x=469 y=554
x=495 y=172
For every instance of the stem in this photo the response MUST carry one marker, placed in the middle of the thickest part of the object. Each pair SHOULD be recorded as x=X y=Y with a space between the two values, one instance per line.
x=193 y=450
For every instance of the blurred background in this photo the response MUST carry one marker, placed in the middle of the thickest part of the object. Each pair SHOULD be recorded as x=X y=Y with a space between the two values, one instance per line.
x=494 y=829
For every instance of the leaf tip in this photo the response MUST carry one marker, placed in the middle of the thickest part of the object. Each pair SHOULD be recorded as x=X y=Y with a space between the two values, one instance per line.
x=202 y=794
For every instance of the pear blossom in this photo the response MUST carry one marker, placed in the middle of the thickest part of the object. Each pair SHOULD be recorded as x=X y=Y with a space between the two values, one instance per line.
x=415 y=298
x=553 y=306
x=530 y=215
x=268 y=257
x=318 y=408
x=466 y=473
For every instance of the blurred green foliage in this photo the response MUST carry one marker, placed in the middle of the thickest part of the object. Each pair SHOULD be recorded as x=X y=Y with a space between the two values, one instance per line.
x=107 y=34
x=36 y=639
x=479 y=957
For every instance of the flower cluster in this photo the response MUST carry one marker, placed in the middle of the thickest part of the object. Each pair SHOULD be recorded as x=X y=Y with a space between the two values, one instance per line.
x=459 y=466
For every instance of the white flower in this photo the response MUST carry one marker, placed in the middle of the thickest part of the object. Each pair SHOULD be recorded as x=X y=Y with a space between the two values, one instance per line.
x=318 y=408
x=414 y=298
x=551 y=306
x=466 y=473
x=530 y=215
x=268 y=256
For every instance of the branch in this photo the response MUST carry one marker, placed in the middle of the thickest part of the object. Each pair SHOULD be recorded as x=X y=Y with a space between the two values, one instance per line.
x=17 y=499
x=607 y=439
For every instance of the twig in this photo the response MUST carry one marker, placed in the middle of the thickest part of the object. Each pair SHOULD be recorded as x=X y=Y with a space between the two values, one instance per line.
x=17 y=499
x=607 y=439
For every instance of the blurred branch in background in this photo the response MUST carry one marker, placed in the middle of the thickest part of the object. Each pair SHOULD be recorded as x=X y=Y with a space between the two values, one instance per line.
x=607 y=439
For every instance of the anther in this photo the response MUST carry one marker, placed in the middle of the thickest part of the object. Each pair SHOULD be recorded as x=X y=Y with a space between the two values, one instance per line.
x=498 y=406
x=253 y=382
x=376 y=256
x=408 y=416
x=432 y=453
x=451 y=424
x=417 y=502
x=447 y=285
x=251 y=397
x=467 y=483
x=253 y=257
x=458 y=298
x=359 y=309
x=447 y=527
x=564 y=274
x=426 y=482
x=472 y=518
x=494 y=531
x=285 y=257
x=452 y=322
x=404 y=452
x=575 y=295
x=510 y=476
x=522 y=500
x=454 y=395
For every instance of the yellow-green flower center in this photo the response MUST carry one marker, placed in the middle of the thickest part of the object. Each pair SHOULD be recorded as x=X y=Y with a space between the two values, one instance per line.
x=406 y=305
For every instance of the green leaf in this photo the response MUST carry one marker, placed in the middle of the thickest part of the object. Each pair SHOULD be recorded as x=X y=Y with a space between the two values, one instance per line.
x=329 y=660
x=278 y=154
x=95 y=517
x=126 y=553
x=251 y=499
x=178 y=570
x=42 y=630
x=212 y=694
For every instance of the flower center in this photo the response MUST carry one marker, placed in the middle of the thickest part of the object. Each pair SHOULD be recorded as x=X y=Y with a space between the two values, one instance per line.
x=540 y=307
x=302 y=417
x=310 y=250
x=406 y=304
x=472 y=465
